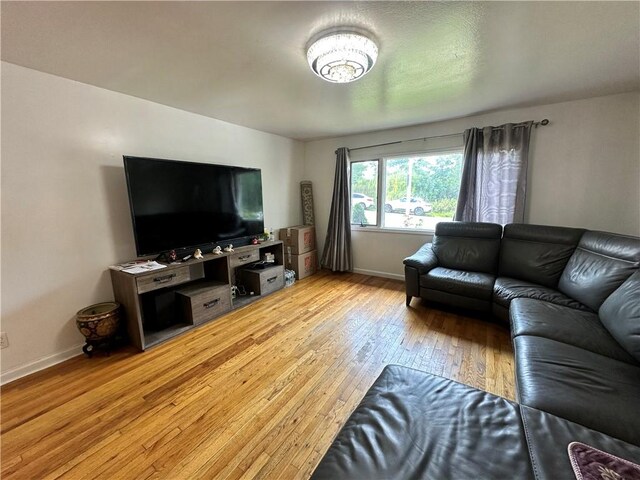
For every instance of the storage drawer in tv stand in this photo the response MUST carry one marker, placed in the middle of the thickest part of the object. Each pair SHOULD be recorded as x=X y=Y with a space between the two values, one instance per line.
x=176 y=276
x=263 y=281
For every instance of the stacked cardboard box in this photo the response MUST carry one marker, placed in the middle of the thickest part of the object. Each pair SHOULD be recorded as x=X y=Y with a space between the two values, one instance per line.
x=300 y=250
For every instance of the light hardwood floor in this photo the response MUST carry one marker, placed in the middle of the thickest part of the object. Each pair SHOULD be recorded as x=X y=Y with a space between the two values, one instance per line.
x=259 y=393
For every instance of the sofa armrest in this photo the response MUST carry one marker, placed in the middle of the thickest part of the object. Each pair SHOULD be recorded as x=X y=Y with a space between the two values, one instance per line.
x=423 y=260
x=418 y=264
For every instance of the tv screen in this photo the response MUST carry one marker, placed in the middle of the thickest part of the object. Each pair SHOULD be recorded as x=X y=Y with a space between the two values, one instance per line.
x=178 y=205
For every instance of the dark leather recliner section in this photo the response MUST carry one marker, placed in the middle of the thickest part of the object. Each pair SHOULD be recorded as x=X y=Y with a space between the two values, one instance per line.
x=599 y=265
x=573 y=301
x=461 y=267
x=537 y=253
x=620 y=314
x=567 y=325
x=587 y=388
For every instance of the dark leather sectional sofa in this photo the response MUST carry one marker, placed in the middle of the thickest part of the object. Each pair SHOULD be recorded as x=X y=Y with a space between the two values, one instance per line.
x=572 y=299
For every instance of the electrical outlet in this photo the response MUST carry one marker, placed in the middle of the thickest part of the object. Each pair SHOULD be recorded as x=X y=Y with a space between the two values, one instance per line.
x=4 y=340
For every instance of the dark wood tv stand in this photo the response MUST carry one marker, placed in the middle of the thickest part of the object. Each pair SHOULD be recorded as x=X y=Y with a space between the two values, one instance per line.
x=161 y=304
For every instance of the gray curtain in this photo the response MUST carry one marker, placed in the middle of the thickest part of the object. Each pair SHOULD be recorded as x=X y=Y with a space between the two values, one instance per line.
x=494 y=176
x=337 y=244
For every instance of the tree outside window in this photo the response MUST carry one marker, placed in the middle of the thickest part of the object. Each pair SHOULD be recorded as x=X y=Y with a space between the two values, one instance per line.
x=364 y=192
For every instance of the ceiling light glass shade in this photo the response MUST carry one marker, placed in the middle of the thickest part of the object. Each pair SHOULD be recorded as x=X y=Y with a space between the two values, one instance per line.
x=342 y=57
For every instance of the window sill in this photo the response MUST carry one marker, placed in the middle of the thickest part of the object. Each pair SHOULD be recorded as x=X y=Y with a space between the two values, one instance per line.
x=413 y=231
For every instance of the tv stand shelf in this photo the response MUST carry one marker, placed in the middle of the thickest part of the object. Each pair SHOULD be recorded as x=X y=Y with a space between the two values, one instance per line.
x=164 y=303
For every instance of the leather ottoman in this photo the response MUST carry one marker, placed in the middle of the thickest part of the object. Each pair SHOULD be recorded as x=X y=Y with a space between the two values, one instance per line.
x=413 y=425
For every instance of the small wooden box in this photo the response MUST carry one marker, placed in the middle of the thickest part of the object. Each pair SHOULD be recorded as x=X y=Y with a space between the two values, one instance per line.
x=263 y=281
x=204 y=301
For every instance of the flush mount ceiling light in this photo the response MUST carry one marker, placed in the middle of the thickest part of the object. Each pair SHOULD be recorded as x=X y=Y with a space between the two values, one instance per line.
x=342 y=57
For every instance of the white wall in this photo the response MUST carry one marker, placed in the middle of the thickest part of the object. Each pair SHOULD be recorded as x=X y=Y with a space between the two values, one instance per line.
x=65 y=213
x=584 y=171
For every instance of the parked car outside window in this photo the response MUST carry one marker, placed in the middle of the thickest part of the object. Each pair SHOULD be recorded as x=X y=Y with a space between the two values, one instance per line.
x=362 y=199
x=417 y=206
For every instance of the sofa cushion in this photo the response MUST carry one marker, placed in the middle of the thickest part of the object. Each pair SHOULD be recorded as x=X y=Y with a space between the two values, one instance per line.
x=567 y=325
x=537 y=253
x=548 y=437
x=471 y=246
x=584 y=387
x=599 y=265
x=620 y=314
x=506 y=289
x=458 y=282
x=412 y=424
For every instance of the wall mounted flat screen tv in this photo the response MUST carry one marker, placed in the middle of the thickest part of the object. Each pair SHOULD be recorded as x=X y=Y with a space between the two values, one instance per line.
x=179 y=205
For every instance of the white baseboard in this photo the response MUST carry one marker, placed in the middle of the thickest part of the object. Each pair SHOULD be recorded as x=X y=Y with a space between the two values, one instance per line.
x=41 y=364
x=375 y=273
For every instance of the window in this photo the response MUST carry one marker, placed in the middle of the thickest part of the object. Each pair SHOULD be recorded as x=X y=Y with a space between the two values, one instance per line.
x=364 y=193
x=416 y=191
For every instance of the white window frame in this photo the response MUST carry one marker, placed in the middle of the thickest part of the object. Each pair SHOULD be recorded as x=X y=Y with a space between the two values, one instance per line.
x=378 y=216
x=382 y=181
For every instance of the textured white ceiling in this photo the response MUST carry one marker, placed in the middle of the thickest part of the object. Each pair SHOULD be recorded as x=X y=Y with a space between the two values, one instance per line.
x=244 y=62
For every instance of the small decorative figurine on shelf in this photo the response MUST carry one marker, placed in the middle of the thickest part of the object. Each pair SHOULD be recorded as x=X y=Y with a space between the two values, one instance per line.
x=217 y=251
x=229 y=248
x=173 y=256
x=197 y=253
x=254 y=241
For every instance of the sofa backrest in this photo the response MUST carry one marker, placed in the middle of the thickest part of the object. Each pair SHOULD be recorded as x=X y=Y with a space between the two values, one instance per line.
x=601 y=263
x=537 y=253
x=470 y=246
x=620 y=314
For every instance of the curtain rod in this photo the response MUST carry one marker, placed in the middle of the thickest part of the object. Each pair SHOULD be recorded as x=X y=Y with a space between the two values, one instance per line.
x=535 y=124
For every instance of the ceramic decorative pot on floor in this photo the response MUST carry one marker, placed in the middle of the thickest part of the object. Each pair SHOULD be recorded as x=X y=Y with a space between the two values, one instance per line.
x=98 y=323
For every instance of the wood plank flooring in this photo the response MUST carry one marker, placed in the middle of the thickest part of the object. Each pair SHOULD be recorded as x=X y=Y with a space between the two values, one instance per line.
x=259 y=393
